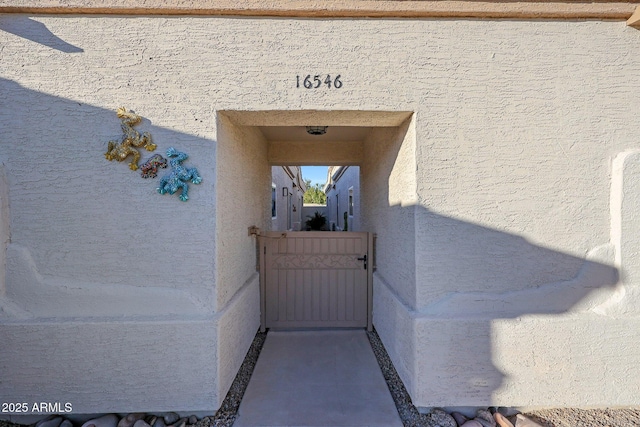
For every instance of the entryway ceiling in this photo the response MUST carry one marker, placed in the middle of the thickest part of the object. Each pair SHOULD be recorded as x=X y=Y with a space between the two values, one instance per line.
x=343 y=144
x=299 y=133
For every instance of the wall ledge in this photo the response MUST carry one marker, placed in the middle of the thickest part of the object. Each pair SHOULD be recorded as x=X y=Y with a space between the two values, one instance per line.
x=505 y=9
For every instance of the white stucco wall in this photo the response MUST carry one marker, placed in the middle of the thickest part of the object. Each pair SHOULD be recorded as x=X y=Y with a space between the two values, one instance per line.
x=105 y=278
x=81 y=222
x=5 y=235
x=388 y=206
x=505 y=208
x=243 y=199
x=111 y=365
x=349 y=179
x=285 y=214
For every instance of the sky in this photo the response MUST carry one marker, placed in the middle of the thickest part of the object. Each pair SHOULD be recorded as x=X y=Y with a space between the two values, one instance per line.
x=315 y=174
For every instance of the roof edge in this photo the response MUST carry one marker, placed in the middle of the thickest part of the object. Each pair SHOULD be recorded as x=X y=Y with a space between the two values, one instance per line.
x=505 y=9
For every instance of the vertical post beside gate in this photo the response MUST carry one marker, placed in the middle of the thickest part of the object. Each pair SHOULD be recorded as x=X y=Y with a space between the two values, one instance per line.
x=262 y=249
x=370 y=249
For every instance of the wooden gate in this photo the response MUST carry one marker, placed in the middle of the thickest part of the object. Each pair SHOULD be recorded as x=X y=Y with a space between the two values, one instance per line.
x=315 y=279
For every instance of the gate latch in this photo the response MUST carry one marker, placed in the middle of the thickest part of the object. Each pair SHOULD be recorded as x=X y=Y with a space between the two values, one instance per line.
x=364 y=258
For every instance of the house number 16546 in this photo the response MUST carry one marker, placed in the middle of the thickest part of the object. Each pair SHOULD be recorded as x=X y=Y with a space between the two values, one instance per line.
x=314 y=82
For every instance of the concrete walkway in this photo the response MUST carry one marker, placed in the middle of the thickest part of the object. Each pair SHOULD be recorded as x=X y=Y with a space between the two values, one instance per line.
x=317 y=378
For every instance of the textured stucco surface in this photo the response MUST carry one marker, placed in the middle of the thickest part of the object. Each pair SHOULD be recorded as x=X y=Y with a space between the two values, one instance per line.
x=106 y=366
x=626 y=212
x=4 y=227
x=236 y=327
x=388 y=206
x=286 y=218
x=243 y=180
x=560 y=357
x=336 y=207
x=514 y=183
x=81 y=222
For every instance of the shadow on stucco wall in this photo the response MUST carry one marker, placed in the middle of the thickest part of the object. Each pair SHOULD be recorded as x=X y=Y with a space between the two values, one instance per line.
x=83 y=228
x=30 y=29
x=70 y=204
x=467 y=278
x=507 y=273
x=100 y=267
x=449 y=294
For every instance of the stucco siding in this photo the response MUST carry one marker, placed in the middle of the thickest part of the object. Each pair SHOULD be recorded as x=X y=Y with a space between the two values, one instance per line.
x=338 y=199
x=236 y=326
x=530 y=362
x=505 y=207
x=111 y=366
x=288 y=207
x=249 y=185
x=388 y=203
x=80 y=222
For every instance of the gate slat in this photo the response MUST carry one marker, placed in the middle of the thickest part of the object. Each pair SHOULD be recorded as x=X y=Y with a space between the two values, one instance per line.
x=312 y=279
x=274 y=302
x=316 y=286
x=308 y=246
x=333 y=295
x=308 y=295
x=299 y=298
x=350 y=246
x=325 y=302
x=340 y=285
x=360 y=310
x=349 y=300
x=282 y=295
x=290 y=303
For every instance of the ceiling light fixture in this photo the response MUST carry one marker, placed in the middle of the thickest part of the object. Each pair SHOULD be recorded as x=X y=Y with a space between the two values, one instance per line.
x=317 y=130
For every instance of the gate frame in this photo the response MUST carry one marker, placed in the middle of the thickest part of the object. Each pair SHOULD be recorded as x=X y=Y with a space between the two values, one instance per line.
x=262 y=249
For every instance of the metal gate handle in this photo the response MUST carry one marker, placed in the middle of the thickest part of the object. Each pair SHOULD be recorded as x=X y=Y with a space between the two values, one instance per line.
x=364 y=258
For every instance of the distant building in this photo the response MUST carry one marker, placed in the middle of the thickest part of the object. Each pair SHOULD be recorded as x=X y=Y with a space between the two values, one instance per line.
x=287 y=191
x=343 y=197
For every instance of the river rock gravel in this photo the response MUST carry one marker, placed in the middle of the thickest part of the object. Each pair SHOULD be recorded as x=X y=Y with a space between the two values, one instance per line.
x=572 y=417
x=558 y=417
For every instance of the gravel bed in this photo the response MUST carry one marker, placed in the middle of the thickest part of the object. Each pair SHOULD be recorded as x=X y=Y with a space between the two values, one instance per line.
x=571 y=417
x=408 y=413
x=228 y=412
x=410 y=416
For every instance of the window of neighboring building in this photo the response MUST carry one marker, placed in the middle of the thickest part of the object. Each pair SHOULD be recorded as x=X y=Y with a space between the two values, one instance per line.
x=351 y=201
x=273 y=200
